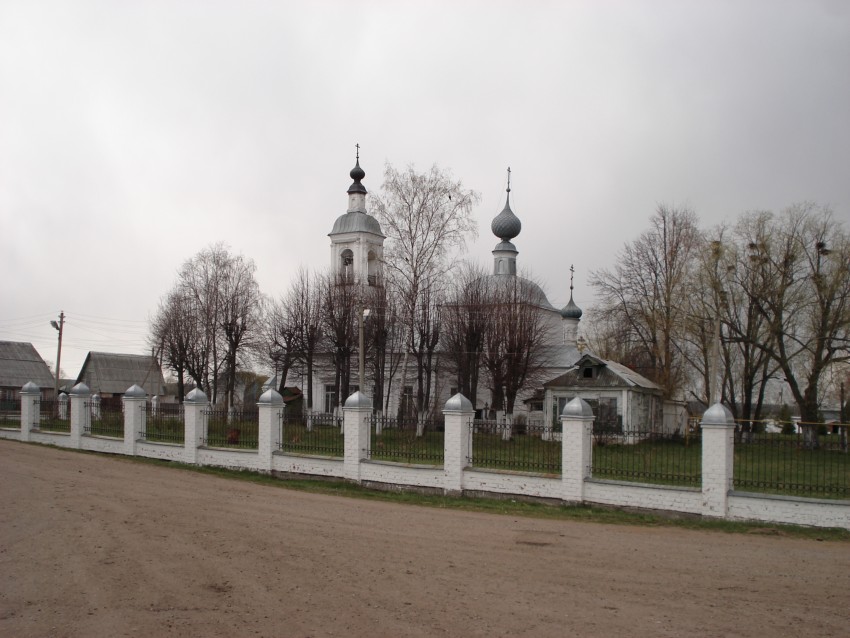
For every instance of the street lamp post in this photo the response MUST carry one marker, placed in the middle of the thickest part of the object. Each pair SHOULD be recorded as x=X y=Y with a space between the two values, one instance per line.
x=58 y=326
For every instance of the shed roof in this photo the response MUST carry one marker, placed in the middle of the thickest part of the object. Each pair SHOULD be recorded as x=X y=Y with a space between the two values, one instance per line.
x=19 y=363
x=611 y=375
x=114 y=373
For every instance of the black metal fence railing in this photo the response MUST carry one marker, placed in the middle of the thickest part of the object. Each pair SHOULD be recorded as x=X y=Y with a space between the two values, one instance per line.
x=648 y=457
x=316 y=433
x=53 y=416
x=10 y=413
x=233 y=428
x=522 y=447
x=164 y=424
x=407 y=440
x=103 y=420
x=810 y=460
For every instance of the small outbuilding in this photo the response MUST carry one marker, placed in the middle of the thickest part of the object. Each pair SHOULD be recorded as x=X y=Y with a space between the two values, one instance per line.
x=109 y=374
x=622 y=400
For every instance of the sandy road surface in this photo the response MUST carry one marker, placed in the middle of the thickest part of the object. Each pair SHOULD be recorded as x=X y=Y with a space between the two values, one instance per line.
x=97 y=546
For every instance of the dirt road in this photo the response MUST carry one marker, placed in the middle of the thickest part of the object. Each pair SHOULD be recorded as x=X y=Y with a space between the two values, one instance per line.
x=98 y=546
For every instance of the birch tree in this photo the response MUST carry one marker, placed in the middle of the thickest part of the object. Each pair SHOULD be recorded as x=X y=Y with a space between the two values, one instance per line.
x=427 y=218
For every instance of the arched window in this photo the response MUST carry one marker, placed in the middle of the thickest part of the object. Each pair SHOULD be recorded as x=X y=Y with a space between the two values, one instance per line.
x=346 y=265
x=372 y=268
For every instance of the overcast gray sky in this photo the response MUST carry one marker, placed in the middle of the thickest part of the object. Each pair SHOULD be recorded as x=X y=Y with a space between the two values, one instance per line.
x=132 y=135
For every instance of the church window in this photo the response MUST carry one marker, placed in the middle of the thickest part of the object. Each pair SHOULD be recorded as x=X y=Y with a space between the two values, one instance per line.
x=346 y=263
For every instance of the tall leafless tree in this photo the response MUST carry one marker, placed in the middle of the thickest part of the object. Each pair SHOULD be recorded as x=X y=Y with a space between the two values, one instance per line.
x=643 y=293
x=340 y=303
x=516 y=339
x=427 y=218
x=215 y=305
x=465 y=321
x=800 y=286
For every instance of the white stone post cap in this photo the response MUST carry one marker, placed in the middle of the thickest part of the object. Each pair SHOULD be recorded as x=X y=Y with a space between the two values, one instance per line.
x=270 y=397
x=135 y=391
x=196 y=396
x=30 y=388
x=358 y=400
x=458 y=403
x=578 y=407
x=718 y=414
x=80 y=390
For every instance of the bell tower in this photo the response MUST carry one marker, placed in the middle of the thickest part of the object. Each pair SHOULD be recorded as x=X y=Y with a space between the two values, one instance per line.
x=357 y=243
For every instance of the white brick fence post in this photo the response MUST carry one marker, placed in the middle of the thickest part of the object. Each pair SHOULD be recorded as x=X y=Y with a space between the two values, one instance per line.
x=30 y=416
x=194 y=413
x=356 y=417
x=458 y=413
x=576 y=448
x=80 y=413
x=718 y=439
x=271 y=408
x=134 y=418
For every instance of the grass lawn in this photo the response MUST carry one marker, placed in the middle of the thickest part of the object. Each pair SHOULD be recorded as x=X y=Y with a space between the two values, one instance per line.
x=521 y=453
x=236 y=433
x=54 y=424
x=109 y=424
x=165 y=429
x=320 y=440
x=783 y=464
x=663 y=462
x=403 y=446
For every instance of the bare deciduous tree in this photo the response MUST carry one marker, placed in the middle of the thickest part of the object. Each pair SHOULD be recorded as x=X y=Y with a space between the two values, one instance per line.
x=644 y=294
x=464 y=327
x=516 y=338
x=211 y=318
x=339 y=316
x=801 y=288
x=427 y=217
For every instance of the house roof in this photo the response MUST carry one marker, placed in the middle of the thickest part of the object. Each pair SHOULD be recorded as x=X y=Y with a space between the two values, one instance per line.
x=19 y=363
x=114 y=373
x=611 y=375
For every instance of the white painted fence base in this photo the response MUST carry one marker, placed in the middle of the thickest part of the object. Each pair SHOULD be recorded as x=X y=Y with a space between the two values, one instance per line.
x=714 y=499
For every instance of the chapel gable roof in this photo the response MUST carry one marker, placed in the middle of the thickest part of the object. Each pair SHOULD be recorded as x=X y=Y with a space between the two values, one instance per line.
x=606 y=374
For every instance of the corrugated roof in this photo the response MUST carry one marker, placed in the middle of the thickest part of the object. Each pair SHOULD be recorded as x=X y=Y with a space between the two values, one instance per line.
x=114 y=373
x=19 y=363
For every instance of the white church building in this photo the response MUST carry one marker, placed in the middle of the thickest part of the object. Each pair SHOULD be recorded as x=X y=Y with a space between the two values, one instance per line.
x=356 y=254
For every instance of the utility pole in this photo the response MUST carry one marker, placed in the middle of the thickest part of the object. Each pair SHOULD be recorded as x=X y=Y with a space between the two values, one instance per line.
x=58 y=326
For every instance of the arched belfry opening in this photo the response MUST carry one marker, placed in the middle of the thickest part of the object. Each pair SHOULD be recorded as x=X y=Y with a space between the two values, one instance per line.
x=357 y=243
x=372 y=268
x=346 y=265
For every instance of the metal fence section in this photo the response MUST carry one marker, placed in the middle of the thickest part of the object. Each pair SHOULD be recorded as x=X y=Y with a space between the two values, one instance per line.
x=648 y=457
x=528 y=447
x=812 y=461
x=315 y=433
x=10 y=413
x=165 y=424
x=233 y=428
x=51 y=418
x=407 y=440
x=103 y=420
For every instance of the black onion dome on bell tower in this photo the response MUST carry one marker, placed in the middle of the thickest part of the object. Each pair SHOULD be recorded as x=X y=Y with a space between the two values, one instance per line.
x=506 y=225
x=357 y=174
x=571 y=310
